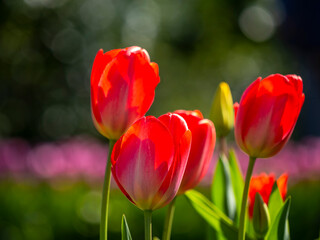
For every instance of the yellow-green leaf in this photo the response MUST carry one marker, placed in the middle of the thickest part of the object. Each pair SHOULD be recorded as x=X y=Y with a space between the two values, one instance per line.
x=125 y=231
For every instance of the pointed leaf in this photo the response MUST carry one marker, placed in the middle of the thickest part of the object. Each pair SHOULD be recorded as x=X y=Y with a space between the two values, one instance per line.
x=275 y=202
x=222 y=189
x=237 y=182
x=212 y=215
x=280 y=228
x=125 y=231
x=218 y=186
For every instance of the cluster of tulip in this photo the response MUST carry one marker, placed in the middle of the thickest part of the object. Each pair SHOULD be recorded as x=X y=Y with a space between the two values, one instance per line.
x=154 y=160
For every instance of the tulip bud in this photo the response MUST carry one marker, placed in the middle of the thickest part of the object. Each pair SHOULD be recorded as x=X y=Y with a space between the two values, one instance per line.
x=222 y=110
x=261 y=218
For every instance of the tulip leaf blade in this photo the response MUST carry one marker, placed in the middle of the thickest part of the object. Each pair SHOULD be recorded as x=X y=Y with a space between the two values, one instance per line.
x=275 y=202
x=212 y=215
x=222 y=188
x=218 y=186
x=237 y=182
x=280 y=228
x=125 y=231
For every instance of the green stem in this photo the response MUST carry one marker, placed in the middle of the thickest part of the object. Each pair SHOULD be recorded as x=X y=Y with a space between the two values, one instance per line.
x=168 y=221
x=242 y=223
x=223 y=146
x=105 y=196
x=148 y=225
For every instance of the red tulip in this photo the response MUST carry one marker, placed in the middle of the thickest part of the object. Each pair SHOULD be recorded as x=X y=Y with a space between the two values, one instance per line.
x=203 y=143
x=122 y=89
x=263 y=184
x=149 y=160
x=267 y=114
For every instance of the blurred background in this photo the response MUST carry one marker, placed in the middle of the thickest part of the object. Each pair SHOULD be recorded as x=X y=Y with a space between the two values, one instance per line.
x=51 y=157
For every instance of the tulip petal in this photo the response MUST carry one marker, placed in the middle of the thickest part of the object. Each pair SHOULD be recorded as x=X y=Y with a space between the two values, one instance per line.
x=242 y=125
x=265 y=125
x=100 y=63
x=235 y=108
x=282 y=185
x=261 y=184
x=203 y=143
x=176 y=125
x=143 y=160
x=122 y=89
x=171 y=184
x=185 y=114
x=268 y=111
x=297 y=82
x=182 y=141
x=155 y=68
x=126 y=90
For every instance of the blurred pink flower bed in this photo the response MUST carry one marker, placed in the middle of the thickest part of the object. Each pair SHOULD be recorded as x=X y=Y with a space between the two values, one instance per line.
x=84 y=158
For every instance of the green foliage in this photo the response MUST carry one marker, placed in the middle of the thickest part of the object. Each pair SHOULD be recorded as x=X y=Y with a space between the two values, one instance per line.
x=275 y=202
x=279 y=228
x=212 y=215
x=222 y=189
x=237 y=181
x=125 y=231
x=278 y=215
x=226 y=190
x=227 y=186
x=32 y=211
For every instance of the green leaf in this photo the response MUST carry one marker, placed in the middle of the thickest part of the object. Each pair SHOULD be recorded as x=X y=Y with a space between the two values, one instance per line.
x=237 y=182
x=212 y=215
x=275 y=202
x=222 y=189
x=249 y=225
x=280 y=228
x=125 y=231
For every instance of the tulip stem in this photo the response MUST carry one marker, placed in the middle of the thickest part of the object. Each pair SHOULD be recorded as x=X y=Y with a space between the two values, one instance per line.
x=105 y=195
x=223 y=146
x=148 y=225
x=242 y=222
x=168 y=221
